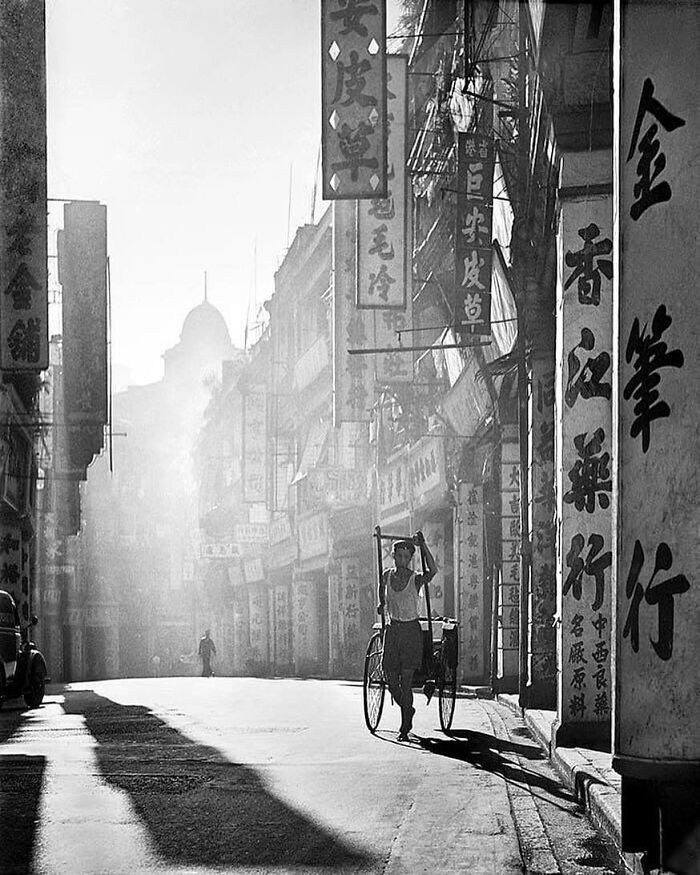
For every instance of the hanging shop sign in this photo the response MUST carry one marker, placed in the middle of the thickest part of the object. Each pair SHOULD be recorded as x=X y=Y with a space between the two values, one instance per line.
x=256 y=533
x=353 y=98
x=353 y=375
x=382 y=223
x=218 y=550
x=11 y=561
x=393 y=487
x=658 y=594
x=426 y=471
x=338 y=486
x=306 y=622
x=82 y=272
x=473 y=235
x=350 y=592
x=15 y=473
x=312 y=533
x=586 y=461
x=254 y=438
x=282 y=625
x=23 y=228
x=469 y=565
x=258 y=623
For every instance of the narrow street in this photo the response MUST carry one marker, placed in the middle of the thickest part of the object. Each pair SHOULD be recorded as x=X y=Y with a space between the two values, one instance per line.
x=252 y=775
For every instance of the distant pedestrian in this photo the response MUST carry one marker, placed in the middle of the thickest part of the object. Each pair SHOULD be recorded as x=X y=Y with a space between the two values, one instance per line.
x=206 y=651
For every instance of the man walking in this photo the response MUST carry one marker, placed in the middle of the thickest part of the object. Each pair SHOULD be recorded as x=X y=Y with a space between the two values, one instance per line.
x=206 y=651
x=399 y=590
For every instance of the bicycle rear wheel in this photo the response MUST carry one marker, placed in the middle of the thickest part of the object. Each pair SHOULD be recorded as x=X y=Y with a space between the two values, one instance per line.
x=374 y=685
x=447 y=694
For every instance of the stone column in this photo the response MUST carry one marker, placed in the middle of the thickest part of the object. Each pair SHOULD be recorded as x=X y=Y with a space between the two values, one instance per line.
x=542 y=646
x=657 y=703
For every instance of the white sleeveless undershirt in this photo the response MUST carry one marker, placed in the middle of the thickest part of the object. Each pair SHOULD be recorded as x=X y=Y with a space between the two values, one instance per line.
x=402 y=605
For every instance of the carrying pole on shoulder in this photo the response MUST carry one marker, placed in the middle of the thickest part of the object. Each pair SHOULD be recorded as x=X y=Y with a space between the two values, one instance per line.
x=429 y=685
x=380 y=571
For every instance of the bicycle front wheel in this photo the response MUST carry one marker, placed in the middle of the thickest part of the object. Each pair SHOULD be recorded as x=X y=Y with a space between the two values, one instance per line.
x=447 y=694
x=374 y=685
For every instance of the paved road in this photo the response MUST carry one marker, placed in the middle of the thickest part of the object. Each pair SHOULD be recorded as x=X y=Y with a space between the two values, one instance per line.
x=253 y=775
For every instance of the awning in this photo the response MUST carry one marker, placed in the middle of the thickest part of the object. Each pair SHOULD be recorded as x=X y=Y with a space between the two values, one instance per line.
x=313 y=450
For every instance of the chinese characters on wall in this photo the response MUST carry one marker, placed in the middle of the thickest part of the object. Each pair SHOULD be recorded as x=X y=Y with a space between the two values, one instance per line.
x=23 y=265
x=586 y=457
x=509 y=595
x=658 y=638
x=470 y=574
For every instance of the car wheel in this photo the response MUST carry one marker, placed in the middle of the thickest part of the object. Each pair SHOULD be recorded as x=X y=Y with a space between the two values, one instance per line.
x=37 y=687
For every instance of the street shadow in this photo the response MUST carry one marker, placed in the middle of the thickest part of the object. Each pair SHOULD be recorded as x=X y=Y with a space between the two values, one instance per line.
x=487 y=752
x=200 y=808
x=21 y=779
x=10 y=719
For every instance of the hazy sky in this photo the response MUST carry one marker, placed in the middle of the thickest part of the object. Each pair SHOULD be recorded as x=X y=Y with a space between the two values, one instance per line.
x=183 y=117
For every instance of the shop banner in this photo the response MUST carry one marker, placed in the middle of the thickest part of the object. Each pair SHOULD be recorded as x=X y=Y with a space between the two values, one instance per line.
x=24 y=342
x=382 y=223
x=658 y=592
x=473 y=615
x=254 y=442
x=473 y=235
x=509 y=595
x=353 y=375
x=82 y=272
x=305 y=623
x=353 y=98
x=282 y=625
x=586 y=459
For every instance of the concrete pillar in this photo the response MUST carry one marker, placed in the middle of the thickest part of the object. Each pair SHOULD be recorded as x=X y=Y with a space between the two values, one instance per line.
x=257 y=619
x=584 y=455
x=542 y=647
x=305 y=621
x=657 y=707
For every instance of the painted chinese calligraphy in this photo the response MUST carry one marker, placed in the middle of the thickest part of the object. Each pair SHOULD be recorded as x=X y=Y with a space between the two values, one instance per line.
x=588 y=264
x=650 y=353
x=586 y=382
x=351 y=14
x=660 y=594
x=593 y=566
x=590 y=474
x=649 y=148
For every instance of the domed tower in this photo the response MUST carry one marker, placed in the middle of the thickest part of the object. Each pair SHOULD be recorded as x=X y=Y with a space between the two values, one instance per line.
x=204 y=343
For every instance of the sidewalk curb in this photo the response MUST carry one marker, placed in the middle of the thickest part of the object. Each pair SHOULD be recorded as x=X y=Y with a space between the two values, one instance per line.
x=600 y=800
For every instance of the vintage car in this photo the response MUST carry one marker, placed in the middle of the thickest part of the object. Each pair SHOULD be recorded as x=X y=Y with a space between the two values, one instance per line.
x=22 y=667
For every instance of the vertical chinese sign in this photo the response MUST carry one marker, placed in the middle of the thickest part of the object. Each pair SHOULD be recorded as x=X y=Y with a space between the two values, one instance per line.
x=349 y=604
x=542 y=650
x=353 y=375
x=383 y=241
x=585 y=470
x=469 y=562
x=254 y=442
x=658 y=590
x=473 y=235
x=82 y=272
x=282 y=627
x=509 y=595
x=353 y=98
x=23 y=271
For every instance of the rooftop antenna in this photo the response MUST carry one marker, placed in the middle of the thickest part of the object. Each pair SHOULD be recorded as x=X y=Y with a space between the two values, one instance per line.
x=205 y=287
x=314 y=190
